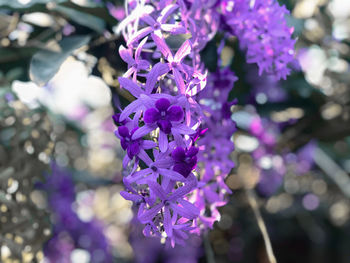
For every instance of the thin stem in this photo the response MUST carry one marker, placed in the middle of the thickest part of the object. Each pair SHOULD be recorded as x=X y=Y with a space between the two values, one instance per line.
x=209 y=254
x=254 y=205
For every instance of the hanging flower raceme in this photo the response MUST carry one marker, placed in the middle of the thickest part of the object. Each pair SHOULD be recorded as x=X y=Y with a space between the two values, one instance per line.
x=177 y=132
x=164 y=75
x=262 y=31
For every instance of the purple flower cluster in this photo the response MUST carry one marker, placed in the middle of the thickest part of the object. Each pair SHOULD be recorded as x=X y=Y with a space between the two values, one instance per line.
x=69 y=231
x=177 y=132
x=156 y=130
x=262 y=31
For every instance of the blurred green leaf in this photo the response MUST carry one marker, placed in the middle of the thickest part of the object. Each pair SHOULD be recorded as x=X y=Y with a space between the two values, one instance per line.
x=82 y=18
x=45 y=64
x=16 y=4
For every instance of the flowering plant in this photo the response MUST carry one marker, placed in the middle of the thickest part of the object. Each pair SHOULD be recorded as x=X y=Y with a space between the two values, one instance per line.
x=177 y=132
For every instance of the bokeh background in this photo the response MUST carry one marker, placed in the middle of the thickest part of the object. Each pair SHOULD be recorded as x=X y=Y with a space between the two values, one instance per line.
x=60 y=163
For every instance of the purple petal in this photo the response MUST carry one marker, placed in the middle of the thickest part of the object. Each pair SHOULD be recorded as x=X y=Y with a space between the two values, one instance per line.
x=138 y=175
x=123 y=131
x=192 y=151
x=144 y=157
x=183 y=211
x=192 y=162
x=146 y=129
x=162 y=104
x=126 y=55
x=183 y=169
x=131 y=86
x=158 y=69
x=139 y=48
x=140 y=34
x=124 y=144
x=166 y=12
x=149 y=20
x=130 y=197
x=178 y=154
x=175 y=113
x=157 y=190
x=162 y=46
x=163 y=141
x=165 y=126
x=163 y=162
x=167 y=222
x=181 y=191
x=132 y=107
x=146 y=144
x=173 y=175
x=174 y=29
x=183 y=51
x=179 y=80
x=183 y=129
x=143 y=64
x=133 y=149
x=189 y=207
x=149 y=214
x=151 y=116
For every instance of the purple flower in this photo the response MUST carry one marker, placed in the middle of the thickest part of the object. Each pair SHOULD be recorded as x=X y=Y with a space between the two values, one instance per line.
x=168 y=118
x=185 y=160
x=134 y=147
x=157 y=25
x=174 y=63
x=134 y=65
x=163 y=115
x=170 y=202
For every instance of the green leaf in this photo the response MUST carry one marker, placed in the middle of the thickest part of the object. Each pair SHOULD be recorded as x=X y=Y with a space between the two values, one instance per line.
x=16 y=4
x=82 y=18
x=45 y=64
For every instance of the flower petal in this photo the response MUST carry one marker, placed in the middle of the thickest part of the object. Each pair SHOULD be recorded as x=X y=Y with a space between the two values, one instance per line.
x=167 y=222
x=157 y=190
x=151 y=116
x=181 y=191
x=166 y=12
x=164 y=126
x=175 y=113
x=131 y=86
x=162 y=104
x=133 y=149
x=179 y=80
x=132 y=107
x=149 y=214
x=158 y=69
x=126 y=55
x=146 y=129
x=163 y=141
x=147 y=144
x=144 y=157
x=173 y=29
x=162 y=46
x=123 y=131
x=183 y=51
x=139 y=48
x=183 y=129
x=139 y=34
x=189 y=206
x=130 y=197
x=173 y=175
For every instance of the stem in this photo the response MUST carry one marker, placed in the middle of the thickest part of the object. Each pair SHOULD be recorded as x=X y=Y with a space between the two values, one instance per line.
x=261 y=224
x=333 y=170
x=209 y=254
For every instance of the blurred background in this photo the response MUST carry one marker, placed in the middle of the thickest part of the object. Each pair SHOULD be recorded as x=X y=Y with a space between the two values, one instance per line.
x=60 y=163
